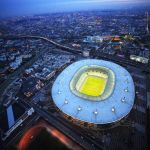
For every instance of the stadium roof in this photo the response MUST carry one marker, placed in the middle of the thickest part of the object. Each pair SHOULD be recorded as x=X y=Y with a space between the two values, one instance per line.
x=110 y=110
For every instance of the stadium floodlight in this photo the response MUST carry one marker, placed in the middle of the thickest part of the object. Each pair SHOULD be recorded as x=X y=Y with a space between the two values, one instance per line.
x=79 y=108
x=123 y=99
x=113 y=109
x=95 y=112
x=126 y=90
x=66 y=101
x=59 y=92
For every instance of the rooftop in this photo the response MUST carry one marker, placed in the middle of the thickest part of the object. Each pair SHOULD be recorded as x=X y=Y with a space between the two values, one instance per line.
x=111 y=109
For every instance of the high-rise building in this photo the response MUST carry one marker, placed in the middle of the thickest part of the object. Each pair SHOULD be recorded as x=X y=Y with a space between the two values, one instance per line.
x=147 y=21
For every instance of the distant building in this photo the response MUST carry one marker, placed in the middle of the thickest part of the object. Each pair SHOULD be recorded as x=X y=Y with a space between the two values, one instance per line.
x=93 y=39
x=3 y=57
x=139 y=59
x=30 y=86
x=15 y=64
x=26 y=56
x=46 y=74
x=116 y=39
x=86 y=53
x=147 y=23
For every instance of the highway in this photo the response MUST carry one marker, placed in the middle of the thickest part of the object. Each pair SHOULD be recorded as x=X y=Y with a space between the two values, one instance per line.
x=20 y=130
x=62 y=47
x=63 y=126
x=71 y=132
x=11 y=76
x=79 y=52
x=122 y=61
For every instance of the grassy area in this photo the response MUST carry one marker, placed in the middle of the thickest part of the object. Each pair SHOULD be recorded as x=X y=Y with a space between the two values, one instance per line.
x=93 y=83
x=93 y=86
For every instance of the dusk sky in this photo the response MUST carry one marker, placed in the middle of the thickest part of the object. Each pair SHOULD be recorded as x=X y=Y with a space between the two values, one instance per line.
x=27 y=7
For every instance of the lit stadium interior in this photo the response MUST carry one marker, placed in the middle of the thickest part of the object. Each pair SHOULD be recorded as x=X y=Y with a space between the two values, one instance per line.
x=92 y=83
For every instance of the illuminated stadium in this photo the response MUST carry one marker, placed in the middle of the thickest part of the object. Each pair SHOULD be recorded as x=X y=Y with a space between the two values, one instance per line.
x=93 y=83
x=94 y=92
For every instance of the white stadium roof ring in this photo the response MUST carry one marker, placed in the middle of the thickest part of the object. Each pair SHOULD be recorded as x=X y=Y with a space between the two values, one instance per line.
x=94 y=91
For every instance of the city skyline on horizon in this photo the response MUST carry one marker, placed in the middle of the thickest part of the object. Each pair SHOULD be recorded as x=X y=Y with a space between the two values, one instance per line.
x=30 y=7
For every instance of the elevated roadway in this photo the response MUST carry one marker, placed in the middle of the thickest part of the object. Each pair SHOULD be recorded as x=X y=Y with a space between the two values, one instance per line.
x=65 y=48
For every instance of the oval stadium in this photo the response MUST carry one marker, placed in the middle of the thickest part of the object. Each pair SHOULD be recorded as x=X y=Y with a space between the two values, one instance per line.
x=94 y=93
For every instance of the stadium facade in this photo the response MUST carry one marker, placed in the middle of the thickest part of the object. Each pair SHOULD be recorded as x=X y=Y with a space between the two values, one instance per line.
x=94 y=92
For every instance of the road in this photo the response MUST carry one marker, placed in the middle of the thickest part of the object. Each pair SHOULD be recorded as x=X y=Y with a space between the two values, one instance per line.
x=64 y=127
x=20 y=130
x=14 y=75
x=11 y=76
x=122 y=61
x=62 y=47
x=71 y=132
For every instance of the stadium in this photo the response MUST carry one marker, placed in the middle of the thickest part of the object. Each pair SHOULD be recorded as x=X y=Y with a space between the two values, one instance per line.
x=94 y=93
